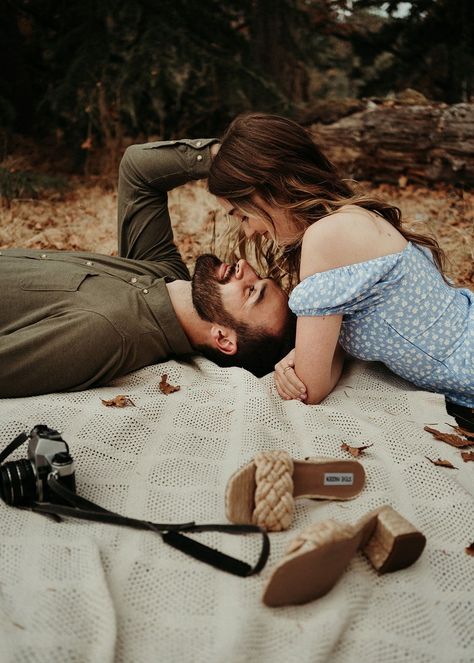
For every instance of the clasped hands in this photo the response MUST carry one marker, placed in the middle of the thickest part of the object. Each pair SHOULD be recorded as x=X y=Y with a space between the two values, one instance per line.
x=288 y=384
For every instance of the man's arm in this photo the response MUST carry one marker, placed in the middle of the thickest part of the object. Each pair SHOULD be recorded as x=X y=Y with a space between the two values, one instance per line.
x=147 y=172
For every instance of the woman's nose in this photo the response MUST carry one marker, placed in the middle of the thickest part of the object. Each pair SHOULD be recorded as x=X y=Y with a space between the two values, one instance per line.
x=249 y=232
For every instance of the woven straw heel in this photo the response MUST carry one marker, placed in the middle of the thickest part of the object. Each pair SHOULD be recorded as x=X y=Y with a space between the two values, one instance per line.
x=263 y=491
x=318 y=557
x=394 y=543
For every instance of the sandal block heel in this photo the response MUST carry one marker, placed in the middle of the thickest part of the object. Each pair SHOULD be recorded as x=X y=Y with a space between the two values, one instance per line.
x=394 y=543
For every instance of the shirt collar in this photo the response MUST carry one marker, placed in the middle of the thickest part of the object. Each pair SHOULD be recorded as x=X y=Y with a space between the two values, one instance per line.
x=164 y=314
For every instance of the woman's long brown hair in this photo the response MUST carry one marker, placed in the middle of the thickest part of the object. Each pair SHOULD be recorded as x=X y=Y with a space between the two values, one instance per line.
x=277 y=159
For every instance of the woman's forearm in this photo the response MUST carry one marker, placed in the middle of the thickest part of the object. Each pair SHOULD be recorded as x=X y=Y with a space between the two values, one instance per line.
x=320 y=383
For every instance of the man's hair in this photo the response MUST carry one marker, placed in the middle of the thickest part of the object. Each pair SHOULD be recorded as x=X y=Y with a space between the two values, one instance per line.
x=257 y=350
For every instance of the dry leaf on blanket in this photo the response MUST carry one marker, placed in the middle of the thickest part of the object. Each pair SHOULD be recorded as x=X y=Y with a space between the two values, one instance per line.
x=118 y=401
x=470 y=549
x=453 y=440
x=464 y=432
x=442 y=463
x=166 y=387
x=355 y=451
x=467 y=456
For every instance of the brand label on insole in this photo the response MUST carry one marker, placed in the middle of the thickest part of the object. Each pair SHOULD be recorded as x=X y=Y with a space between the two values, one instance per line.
x=338 y=478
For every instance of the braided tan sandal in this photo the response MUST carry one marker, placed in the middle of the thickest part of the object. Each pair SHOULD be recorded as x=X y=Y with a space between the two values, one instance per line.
x=263 y=491
x=317 y=558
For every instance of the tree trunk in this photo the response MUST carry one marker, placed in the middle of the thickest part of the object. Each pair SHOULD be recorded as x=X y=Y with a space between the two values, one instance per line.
x=16 y=83
x=424 y=143
x=272 y=48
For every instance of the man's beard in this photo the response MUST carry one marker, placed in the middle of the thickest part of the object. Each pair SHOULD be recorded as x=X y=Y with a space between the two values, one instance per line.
x=205 y=291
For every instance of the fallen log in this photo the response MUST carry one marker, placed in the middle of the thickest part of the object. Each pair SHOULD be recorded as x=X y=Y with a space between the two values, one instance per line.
x=398 y=142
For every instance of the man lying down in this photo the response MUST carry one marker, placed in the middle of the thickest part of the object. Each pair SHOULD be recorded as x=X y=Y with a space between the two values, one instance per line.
x=73 y=320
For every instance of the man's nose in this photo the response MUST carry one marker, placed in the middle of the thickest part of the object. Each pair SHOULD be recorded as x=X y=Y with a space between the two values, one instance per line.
x=244 y=271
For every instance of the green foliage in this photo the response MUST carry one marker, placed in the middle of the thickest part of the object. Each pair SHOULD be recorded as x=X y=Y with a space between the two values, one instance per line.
x=26 y=184
x=143 y=67
x=7 y=113
x=430 y=47
x=103 y=73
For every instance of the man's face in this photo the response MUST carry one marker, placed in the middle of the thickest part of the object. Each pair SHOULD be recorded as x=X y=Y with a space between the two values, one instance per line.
x=235 y=293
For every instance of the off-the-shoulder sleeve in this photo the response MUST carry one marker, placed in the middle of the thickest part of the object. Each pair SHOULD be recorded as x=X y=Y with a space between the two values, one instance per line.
x=348 y=289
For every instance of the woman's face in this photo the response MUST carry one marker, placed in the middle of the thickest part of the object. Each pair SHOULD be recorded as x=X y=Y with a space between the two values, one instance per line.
x=280 y=227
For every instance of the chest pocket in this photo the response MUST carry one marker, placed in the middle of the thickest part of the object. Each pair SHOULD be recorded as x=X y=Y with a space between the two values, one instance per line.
x=55 y=276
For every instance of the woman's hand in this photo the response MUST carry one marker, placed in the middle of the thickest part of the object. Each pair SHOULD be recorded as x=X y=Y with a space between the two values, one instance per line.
x=288 y=384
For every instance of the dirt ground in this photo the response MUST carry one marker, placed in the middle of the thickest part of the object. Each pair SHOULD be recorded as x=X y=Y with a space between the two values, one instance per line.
x=84 y=219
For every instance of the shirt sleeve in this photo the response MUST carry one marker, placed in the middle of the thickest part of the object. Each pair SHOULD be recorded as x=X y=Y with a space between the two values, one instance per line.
x=146 y=174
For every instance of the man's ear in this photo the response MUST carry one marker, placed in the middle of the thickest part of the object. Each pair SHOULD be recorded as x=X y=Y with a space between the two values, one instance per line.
x=224 y=339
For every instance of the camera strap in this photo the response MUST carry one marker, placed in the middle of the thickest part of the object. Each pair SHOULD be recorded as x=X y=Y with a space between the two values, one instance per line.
x=172 y=534
x=13 y=446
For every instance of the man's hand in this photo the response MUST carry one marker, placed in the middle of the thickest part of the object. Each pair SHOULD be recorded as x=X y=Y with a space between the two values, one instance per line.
x=288 y=384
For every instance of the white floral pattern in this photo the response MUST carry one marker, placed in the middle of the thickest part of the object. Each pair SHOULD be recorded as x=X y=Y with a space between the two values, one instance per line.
x=398 y=310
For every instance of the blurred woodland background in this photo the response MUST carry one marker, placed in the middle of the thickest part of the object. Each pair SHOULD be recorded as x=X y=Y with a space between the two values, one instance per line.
x=386 y=87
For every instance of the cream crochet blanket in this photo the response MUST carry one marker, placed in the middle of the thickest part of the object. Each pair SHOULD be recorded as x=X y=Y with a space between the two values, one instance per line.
x=86 y=592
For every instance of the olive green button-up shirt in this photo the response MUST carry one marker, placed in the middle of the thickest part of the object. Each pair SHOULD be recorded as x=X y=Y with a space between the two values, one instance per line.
x=72 y=320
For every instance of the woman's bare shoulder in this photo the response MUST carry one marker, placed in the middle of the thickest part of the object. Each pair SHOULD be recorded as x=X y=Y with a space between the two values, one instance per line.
x=349 y=236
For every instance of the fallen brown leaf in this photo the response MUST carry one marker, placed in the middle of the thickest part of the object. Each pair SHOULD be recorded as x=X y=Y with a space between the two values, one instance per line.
x=470 y=549
x=118 y=401
x=463 y=431
x=355 y=451
x=442 y=463
x=166 y=387
x=467 y=456
x=453 y=440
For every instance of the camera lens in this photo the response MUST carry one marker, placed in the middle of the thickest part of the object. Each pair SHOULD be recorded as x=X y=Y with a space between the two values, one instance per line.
x=17 y=482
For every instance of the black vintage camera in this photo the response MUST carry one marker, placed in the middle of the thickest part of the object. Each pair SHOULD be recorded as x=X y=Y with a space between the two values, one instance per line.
x=25 y=481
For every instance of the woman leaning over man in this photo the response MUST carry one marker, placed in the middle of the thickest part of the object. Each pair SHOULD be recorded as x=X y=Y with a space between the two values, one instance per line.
x=365 y=284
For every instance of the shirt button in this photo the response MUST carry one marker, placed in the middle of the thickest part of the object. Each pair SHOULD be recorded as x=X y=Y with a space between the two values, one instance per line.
x=145 y=291
x=43 y=255
x=133 y=279
x=199 y=143
x=89 y=263
x=199 y=157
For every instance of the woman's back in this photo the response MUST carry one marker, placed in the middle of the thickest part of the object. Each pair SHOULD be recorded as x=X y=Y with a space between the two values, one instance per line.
x=398 y=309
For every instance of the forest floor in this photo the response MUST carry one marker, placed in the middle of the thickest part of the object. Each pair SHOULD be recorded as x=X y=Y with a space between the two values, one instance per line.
x=84 y=218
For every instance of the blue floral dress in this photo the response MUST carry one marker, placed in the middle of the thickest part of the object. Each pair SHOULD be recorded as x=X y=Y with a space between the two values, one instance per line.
x=398 y=310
